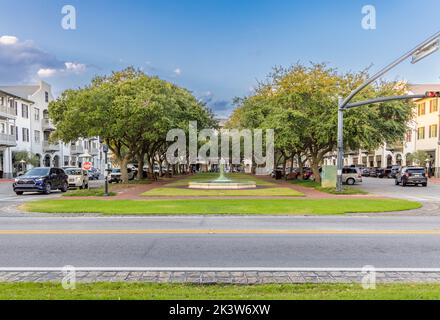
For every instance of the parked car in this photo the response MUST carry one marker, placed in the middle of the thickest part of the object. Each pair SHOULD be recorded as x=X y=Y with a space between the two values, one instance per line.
x=115 y=175
x=94 y=174
x=351 y=176
x=365 y=172
x=373 y=172
x=77 y=178
x=412 y=175
x=43 y=180
x=394 y=171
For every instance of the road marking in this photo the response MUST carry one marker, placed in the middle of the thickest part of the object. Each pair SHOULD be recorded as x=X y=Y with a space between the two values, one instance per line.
x=219 y=232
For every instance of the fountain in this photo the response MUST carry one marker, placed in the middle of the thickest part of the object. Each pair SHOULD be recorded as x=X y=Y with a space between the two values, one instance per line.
x=222 y=182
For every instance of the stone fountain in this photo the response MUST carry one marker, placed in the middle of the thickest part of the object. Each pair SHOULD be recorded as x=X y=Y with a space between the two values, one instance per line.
x=223 y=183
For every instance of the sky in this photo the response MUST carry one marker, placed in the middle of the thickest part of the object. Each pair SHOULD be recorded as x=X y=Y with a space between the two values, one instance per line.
x=218 y=49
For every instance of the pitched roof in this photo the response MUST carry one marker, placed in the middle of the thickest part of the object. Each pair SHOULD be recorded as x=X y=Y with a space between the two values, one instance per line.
x=21 y=91
x=423 y=88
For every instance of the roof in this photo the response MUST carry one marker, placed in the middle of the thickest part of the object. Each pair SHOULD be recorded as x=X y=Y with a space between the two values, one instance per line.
x=423 y=88
x=16 y=96
x=23 y=92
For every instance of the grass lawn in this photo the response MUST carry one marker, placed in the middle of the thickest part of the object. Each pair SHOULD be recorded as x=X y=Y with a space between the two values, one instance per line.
x=222 y=207
x=212 y=176
x=312 y=184
x=145 y=291
x=181 y=192
x=176 y=188
x=87 y=193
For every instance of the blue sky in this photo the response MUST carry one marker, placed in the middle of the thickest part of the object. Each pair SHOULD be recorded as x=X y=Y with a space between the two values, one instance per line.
x=218 y=49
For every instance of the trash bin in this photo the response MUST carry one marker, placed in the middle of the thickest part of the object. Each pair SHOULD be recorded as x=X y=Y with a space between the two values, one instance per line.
x=278 y=174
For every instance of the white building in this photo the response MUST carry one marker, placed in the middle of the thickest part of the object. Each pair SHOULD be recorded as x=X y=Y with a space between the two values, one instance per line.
x=25 y=126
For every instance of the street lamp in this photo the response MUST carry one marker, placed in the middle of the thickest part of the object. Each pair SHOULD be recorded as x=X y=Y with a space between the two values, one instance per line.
x=420 y=52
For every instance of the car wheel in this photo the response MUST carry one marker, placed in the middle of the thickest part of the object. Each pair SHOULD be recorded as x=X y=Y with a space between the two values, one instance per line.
x=83 y=186
x=425 y=185
x=351 y=182
x=48 y=188
x=65 y=187
x=397 y=182
x=403 y=184
x=19 y=193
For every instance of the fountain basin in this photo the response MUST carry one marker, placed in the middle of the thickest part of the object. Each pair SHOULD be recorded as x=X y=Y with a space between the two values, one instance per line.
x=230 y=185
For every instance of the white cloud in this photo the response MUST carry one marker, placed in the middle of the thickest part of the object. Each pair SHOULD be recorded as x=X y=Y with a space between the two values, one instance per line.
x=75 y=67
x=23 y=61
x=8 y=40
x=46 y=73
x=178 y=72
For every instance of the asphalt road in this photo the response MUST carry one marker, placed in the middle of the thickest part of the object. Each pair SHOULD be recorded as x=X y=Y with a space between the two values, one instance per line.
x=225 y=242
x=233 y=242
x=387 y=187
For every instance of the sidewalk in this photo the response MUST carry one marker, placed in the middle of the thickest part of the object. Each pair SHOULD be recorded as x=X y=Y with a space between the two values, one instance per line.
x=221 y=277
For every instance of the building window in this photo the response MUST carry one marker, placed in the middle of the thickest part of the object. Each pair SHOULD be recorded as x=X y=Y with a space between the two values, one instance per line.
x=433 y=106
x=37 y=114
x=46 y=96
x=25 y=111
x=25 y=133
x=66 y=161
x=12 y=130
x=16 y=108
x=421 y=133
x=422 y=109
x=433 y=131
x=37 y=136
x=409 y=136
x=16 y=133
x=3 y=128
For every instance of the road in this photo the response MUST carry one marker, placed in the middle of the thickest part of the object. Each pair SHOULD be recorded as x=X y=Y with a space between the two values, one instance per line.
x=225 y=242
x=232 y=242
x=387 y=187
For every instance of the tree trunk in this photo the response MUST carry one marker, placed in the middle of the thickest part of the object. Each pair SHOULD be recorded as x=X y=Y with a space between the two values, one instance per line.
x=141 y=162
x=315 y=169
x=301 y=168
x=124 y=171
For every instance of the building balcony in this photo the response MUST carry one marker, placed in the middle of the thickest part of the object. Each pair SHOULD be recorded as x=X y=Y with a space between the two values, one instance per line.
x=7 y=112
x=51 y=147
x=395 y=147
x=76 y=150
x=47 y=125
x=7 y=140
x=94 y=151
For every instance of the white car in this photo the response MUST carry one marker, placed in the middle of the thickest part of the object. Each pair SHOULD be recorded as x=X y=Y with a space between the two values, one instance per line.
x=77 y=178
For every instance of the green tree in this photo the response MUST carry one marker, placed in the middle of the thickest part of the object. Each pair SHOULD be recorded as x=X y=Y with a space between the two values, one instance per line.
x=300 y=103
x=419 y=158
x=130 y=111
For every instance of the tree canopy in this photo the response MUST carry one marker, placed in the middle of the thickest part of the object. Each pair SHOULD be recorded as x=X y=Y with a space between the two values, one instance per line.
x=300 y=104
x=129 y=110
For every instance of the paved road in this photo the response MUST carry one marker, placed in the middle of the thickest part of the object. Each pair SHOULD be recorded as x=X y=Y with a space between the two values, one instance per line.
x=387 y=187
x=228 y=242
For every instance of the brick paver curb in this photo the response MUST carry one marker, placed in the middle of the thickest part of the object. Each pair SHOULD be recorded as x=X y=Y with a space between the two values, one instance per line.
x=219 y=277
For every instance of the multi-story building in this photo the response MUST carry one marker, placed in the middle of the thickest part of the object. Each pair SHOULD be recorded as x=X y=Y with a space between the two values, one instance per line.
x=423 y=135
x=25 y=126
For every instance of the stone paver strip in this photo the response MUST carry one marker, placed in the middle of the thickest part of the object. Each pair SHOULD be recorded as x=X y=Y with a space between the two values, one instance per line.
x=240 y=278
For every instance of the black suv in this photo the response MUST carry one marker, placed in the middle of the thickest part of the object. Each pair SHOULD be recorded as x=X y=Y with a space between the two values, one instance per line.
x=412 y=175
x=42 y=180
